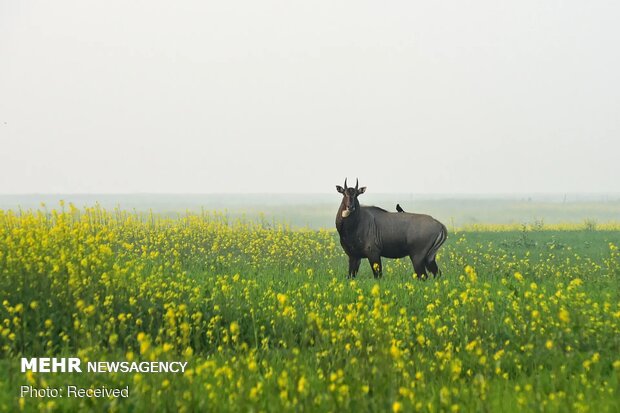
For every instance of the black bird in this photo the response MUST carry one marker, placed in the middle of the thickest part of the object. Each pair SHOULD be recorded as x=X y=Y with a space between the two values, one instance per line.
x=399 y=209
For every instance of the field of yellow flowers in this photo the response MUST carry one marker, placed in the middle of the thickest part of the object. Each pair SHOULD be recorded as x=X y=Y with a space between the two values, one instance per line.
x=524 y=319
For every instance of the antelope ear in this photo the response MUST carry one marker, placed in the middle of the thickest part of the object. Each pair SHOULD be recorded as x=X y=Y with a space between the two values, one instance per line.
x=340 y=189
x=361 y=190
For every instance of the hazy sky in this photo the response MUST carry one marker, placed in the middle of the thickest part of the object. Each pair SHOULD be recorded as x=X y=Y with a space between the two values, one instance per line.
x=291 y=96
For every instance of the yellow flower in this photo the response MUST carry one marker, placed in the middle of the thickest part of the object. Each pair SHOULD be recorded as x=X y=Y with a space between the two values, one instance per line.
x=563 y=315
x=397 y=407
x=255 y=391
x=471 y=273
x=89 y=310
x=394 y=351
x=302 y=385
x=444 y=395
x=234 y=328
x=30 y=377
x=549 y=344
x=144 y=347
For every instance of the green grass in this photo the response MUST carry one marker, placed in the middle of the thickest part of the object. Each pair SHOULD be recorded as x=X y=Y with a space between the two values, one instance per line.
x=520 y=321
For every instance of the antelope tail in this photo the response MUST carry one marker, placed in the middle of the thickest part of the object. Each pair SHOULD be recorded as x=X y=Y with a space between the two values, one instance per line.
x=441 y=238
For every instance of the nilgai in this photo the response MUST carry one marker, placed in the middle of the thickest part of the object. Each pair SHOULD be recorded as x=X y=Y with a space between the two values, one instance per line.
x=372 y=232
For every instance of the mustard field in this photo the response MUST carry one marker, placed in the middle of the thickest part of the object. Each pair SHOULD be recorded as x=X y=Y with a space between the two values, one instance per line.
x=525 y=318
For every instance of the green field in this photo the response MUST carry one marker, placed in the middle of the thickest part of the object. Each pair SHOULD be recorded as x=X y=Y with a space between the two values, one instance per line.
x=522 y=320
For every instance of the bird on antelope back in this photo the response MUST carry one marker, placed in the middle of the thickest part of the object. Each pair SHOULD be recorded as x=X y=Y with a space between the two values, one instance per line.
x=372 y=232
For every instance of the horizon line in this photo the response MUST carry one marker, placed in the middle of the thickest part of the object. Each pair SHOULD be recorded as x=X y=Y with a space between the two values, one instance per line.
x=558 y=193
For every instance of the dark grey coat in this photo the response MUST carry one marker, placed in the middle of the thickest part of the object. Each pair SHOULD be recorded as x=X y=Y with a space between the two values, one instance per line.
x=371 y=232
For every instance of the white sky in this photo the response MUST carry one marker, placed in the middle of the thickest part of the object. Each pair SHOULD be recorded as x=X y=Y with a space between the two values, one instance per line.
x=290 y=96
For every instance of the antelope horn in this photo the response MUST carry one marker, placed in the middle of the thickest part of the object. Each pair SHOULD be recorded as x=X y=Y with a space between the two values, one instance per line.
x=356 y=182
x=345 y=183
